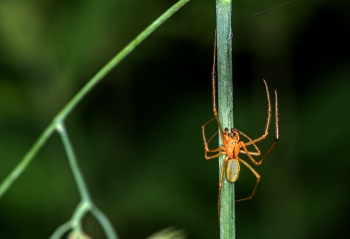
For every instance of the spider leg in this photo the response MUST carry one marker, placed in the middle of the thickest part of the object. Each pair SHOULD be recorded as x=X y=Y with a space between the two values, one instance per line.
x=215 y=155
x=268 y=118
x=203 y=135
x=212 y=137
x=257 y=153
x=257 y=180
x=206 y=143
x=221 y=180
x=213 y=81
x=249 y=154
x=213 y=77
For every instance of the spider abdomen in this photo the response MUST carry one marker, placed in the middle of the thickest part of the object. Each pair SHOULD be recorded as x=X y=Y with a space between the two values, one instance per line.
x=232 y=170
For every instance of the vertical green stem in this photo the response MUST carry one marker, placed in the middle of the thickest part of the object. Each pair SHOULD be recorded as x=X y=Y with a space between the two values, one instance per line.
x=225 y=105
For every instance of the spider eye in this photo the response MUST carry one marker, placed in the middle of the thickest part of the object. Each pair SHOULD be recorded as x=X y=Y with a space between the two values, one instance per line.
x=226 y=130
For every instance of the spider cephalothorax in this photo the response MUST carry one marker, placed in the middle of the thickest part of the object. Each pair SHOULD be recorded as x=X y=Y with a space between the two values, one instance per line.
x=231 y=142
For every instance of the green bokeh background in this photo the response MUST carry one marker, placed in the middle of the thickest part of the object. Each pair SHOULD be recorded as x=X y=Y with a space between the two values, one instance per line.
x=137 y=135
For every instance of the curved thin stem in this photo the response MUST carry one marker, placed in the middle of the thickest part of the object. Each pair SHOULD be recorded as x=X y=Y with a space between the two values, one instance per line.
x=17 y=171
x=86 y=203
x=61 y=230
x=105 y=223
x=83 y=190
x=115 y=60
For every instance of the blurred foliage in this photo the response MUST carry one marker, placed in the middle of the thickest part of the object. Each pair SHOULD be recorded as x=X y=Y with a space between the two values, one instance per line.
x=168 y=233
x=137 y=134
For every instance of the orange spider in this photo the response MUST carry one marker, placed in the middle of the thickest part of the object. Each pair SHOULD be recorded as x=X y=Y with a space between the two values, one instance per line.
x=232 y=145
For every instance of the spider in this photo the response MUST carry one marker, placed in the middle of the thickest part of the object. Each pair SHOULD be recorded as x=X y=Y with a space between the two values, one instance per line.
x=232 y=146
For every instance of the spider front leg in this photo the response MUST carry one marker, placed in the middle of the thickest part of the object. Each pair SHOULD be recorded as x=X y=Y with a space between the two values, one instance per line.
x=249 y=154
x=268 y=118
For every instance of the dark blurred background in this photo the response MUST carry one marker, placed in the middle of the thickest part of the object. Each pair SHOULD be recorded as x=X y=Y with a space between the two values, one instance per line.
x=137 y=135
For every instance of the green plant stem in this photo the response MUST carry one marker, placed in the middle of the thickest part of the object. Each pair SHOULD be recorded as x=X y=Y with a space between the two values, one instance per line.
x=83 y=190
x=103 y=220
x=86 y=203
x=17 y=171
x=61 y=230
x=225 y=105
